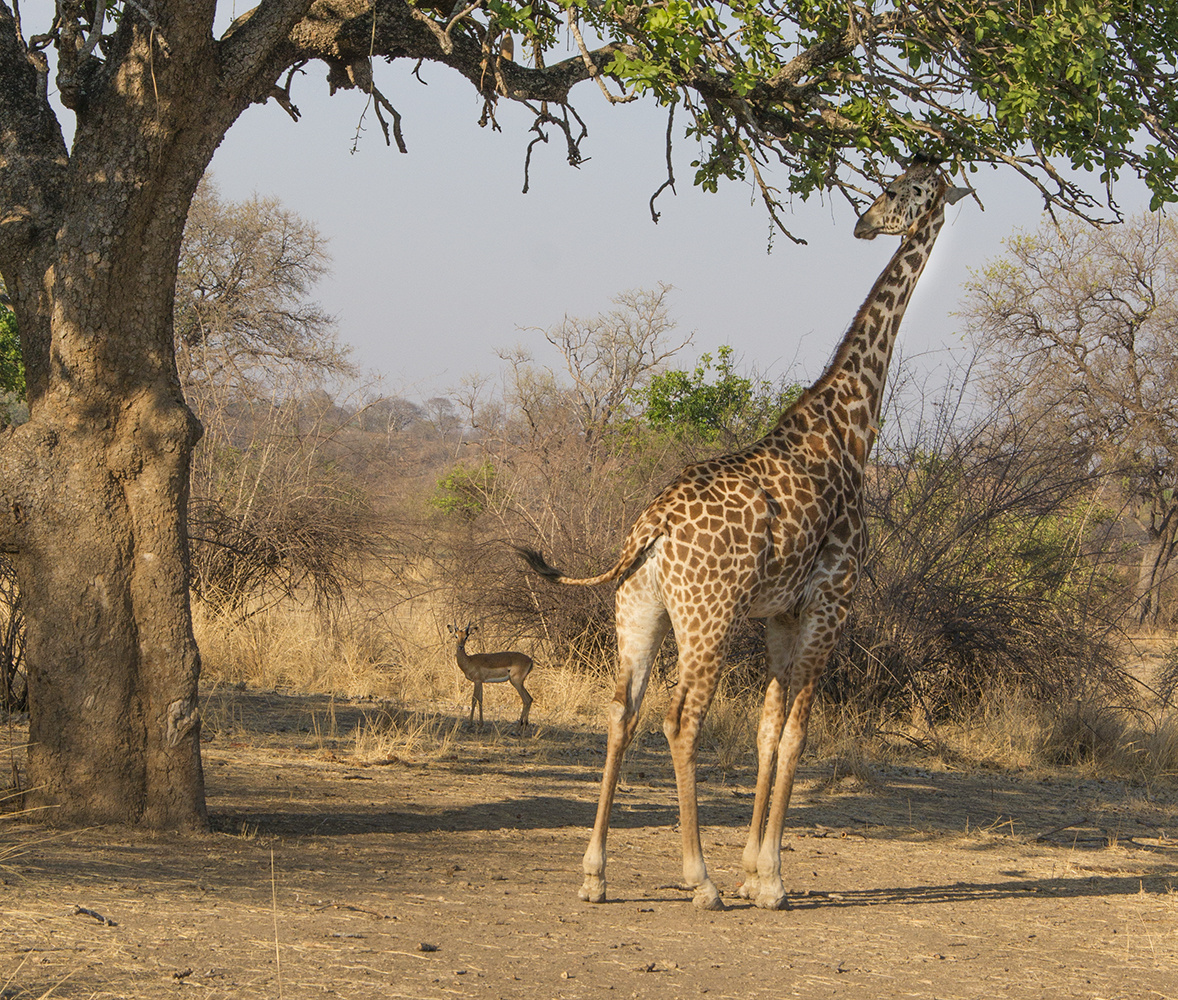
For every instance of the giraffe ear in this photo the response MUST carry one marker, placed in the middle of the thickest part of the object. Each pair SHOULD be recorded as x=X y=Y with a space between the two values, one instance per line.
x=955 y=194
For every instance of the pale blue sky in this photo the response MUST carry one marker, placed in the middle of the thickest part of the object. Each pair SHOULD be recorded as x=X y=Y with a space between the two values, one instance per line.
x=439 y=257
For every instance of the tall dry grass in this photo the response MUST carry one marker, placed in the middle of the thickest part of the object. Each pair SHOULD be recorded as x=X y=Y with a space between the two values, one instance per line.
x=290 y=649
x=404 y=663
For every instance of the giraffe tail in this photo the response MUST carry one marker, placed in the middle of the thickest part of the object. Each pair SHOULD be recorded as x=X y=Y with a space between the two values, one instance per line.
x=619 y=570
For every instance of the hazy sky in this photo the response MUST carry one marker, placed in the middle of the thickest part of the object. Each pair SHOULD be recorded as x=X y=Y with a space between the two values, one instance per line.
x=439 y=258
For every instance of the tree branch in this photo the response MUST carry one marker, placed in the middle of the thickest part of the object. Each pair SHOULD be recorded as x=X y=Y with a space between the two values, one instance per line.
x=32 y=151
x=248 y=47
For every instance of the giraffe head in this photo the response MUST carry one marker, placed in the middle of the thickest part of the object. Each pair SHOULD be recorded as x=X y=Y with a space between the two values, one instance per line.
x=910 y=196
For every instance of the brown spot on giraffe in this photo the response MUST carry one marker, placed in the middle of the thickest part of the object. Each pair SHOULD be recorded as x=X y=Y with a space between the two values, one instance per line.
x=793 y=560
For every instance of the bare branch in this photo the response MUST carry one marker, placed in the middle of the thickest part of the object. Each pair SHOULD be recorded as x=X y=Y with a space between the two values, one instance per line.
x=670 y=181
x=591 y=66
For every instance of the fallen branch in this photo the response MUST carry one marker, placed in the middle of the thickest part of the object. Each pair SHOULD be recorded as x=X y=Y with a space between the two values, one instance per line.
x=85 y=911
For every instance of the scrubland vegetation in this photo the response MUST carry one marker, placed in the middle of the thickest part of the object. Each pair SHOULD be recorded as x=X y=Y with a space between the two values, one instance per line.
x=1017 y=609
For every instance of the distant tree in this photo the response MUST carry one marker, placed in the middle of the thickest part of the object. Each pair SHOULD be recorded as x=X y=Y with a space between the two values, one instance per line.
x=389 y=415
x=245 y=324
x=1080 y=324
x=716 y=405
x=612 y=355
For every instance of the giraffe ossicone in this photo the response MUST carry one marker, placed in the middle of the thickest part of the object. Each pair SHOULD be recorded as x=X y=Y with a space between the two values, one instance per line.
x=773 y=531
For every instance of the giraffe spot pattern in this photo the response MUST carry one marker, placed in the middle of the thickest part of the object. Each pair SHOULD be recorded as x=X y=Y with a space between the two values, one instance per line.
x=774 y=530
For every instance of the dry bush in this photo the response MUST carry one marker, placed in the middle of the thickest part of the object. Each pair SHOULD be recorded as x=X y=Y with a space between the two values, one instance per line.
x=275 y=512
x=986 y=570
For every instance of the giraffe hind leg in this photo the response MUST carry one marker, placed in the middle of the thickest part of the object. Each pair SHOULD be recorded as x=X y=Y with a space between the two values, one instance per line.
x=699 y=674
x=642 y=625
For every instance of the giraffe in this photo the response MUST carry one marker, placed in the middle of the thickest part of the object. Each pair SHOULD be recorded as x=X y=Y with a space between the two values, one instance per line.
x=774 y=531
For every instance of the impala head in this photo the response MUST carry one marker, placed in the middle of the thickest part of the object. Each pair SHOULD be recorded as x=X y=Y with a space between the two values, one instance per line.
x=906 y=199
x=461 y=634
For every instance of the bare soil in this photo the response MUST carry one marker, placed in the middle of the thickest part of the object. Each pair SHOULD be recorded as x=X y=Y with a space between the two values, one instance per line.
x=458 y=878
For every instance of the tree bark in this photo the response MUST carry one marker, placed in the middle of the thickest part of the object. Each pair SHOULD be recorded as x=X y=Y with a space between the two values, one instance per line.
x=95 y=484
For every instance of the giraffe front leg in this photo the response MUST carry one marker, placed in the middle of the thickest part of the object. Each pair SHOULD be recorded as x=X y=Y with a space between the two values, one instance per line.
x=682 y=729
x=770 y=888
x=768 y=737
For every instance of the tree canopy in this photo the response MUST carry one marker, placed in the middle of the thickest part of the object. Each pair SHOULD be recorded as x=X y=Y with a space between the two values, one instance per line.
x=824 y=94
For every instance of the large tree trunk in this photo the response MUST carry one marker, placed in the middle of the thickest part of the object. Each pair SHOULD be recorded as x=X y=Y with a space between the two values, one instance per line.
x=113 y=667
x=95 y=485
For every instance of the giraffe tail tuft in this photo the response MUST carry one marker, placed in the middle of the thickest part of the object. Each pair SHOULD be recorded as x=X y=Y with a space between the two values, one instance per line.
x=538 y=563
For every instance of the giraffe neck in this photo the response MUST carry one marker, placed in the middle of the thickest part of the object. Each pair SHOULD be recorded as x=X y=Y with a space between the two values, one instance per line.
x=859 y=367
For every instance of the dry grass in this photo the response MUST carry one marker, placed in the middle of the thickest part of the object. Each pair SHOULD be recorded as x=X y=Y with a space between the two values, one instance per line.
x=406 y=663
x=288 y=649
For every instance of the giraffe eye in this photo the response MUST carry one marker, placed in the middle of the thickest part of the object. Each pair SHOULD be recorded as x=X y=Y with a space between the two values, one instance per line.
x=916 y=191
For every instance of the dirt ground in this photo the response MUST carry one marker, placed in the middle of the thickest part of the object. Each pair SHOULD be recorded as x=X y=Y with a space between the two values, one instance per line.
x=458 y=878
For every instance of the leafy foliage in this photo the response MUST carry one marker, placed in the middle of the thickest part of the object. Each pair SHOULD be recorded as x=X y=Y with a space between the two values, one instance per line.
x=828 y=90
x=465 y=491
x=12 y=369
x=715 y=403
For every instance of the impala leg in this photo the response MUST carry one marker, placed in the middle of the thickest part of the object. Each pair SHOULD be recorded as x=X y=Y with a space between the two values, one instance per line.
x=689 y=704
x=477 y=698
x=525 y=698
x=780 y=638
x=642 y=625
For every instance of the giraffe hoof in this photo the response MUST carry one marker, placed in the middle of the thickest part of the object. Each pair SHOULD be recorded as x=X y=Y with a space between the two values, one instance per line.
x=749 y=888
x=772 y=901
x=593 y=891
x=707 y=898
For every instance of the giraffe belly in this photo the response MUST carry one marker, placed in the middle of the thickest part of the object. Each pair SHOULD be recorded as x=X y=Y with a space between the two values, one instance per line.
x=771 y=600
x=789 y=578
